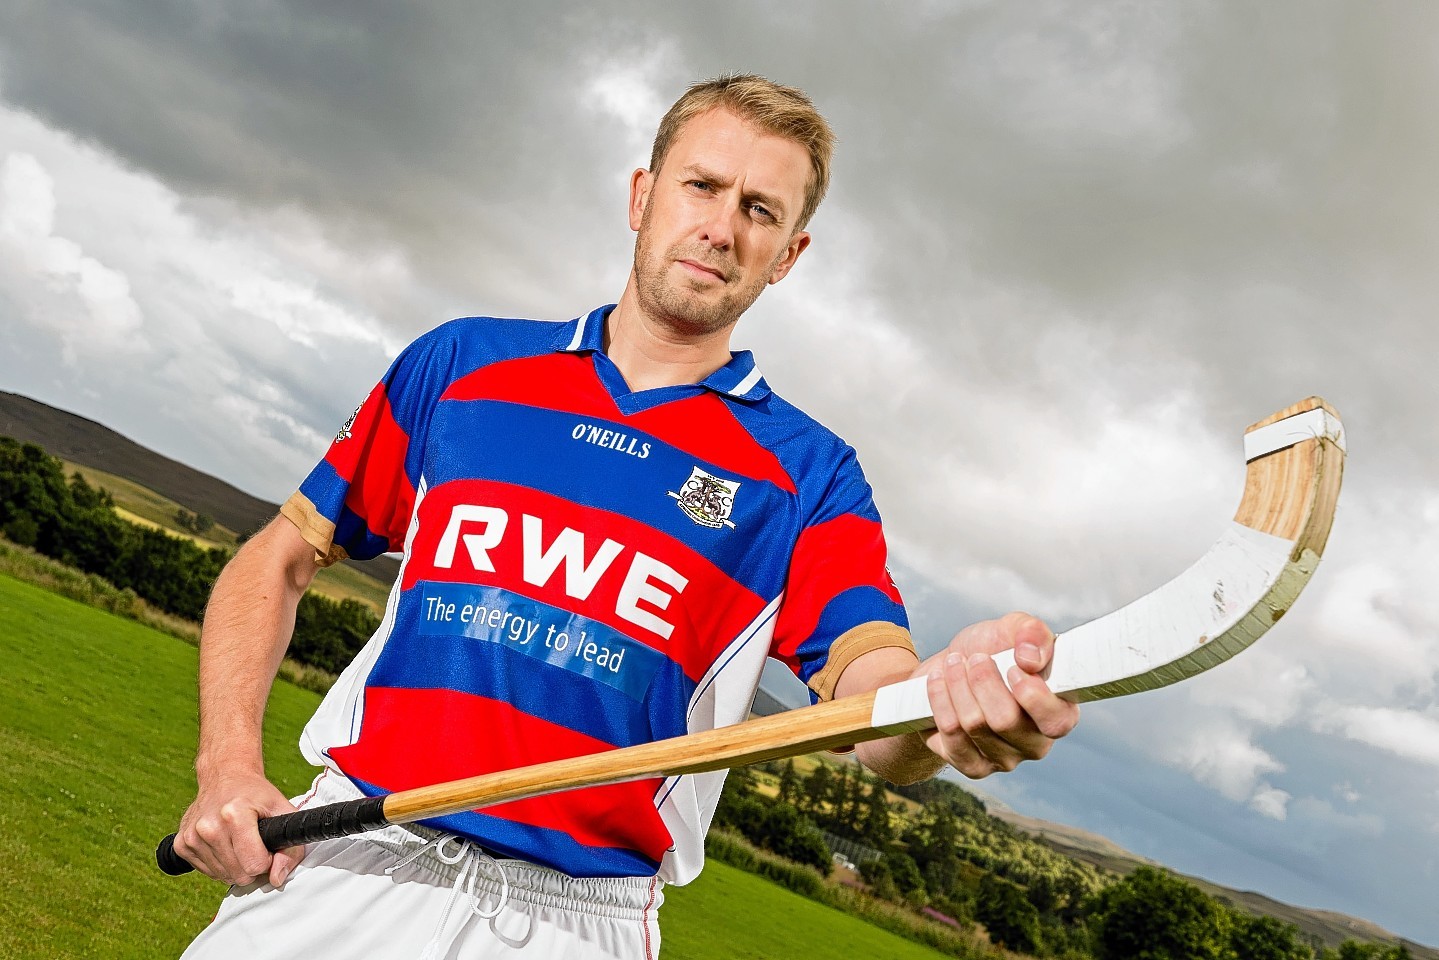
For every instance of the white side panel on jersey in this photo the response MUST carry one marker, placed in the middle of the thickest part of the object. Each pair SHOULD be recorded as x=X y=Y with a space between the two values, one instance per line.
x=337 y=721
x=723 y=697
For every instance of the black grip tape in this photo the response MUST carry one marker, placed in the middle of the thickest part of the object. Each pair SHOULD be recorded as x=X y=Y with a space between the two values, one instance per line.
x=325 y=822
x=169 y=861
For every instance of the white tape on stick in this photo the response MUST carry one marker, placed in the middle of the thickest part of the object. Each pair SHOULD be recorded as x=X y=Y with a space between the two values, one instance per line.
x=1311 y=424
x=902 y=707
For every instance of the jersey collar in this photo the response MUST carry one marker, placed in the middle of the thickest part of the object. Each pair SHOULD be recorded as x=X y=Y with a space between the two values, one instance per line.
x=740 y=378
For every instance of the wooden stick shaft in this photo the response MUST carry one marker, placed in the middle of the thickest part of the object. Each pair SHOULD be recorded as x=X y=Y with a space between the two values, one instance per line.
x=823 y=726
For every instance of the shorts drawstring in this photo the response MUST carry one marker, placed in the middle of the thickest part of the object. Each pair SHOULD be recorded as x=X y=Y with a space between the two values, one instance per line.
x=471 y=859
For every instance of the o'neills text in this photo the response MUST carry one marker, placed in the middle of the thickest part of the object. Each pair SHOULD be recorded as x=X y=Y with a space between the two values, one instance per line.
x=611 y=439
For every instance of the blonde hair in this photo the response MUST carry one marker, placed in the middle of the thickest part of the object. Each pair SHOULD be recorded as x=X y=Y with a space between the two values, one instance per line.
x=782 y=111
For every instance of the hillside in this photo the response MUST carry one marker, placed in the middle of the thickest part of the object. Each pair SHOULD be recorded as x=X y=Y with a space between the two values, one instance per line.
x=1326 y=926
x=78 y=440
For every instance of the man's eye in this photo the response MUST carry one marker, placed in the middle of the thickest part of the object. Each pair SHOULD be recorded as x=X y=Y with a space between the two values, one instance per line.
x=701 y=185
x=760 y=212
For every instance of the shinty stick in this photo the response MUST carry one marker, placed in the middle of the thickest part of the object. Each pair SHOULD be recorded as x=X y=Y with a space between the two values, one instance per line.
x=1209 y=613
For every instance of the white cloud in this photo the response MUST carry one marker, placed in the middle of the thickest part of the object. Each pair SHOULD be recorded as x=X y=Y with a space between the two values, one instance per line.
x=1223 y=757
x=1411 y=734
x=246 y=318
x=1271 y=802
x=30 y=248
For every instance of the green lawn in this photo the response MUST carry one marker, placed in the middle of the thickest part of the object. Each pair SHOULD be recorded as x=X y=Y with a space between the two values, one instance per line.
x=728 y=914
x=97 y=731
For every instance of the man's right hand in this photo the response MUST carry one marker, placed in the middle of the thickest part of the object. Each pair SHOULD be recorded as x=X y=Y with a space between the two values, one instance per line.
x=218 y=834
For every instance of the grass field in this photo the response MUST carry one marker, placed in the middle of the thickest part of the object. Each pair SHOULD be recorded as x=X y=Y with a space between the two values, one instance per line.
x=97 y=730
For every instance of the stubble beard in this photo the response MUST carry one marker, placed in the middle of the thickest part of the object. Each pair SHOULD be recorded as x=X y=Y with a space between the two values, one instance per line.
x=688 y=312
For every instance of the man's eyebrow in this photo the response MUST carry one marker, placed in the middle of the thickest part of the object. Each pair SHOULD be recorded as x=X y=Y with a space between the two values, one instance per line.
x=775 y=205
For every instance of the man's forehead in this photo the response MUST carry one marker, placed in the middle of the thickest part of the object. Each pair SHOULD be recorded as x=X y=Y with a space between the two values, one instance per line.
x=722 y=142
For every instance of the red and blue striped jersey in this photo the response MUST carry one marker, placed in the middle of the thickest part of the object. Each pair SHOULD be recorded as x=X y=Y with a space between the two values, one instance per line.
x=584 y=567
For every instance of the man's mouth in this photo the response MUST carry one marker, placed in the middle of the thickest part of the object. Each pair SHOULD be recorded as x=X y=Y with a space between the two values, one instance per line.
x=704 y=269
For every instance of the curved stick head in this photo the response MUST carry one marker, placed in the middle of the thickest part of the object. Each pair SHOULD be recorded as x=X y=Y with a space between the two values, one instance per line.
x=1239 y=589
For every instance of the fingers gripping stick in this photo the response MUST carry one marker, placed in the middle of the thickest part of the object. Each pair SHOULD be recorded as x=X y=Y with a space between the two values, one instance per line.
x=325 y=822
x=1212 y=611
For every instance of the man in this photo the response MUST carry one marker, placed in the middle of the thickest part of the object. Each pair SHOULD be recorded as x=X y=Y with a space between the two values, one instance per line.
x=607 y=526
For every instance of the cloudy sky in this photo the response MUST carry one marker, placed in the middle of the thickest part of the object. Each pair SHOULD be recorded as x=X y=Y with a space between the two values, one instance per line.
x=1071 y=250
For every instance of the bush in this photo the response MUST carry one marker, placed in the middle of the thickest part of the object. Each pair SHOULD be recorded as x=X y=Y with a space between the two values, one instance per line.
x=1007 y=914
x=1154 y=915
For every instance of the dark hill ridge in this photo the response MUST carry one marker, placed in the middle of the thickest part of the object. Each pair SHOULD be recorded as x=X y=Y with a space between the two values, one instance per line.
x=74 y=438
x=86 y=442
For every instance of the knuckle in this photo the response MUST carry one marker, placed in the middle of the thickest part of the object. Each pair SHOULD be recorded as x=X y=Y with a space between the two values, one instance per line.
x=971 y=720
x=1016 y=619
x=976 y=770
x=1055 y=728
x=949 y=725
x=255 y=866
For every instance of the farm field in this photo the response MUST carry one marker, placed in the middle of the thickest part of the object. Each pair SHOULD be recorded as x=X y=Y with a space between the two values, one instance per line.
x=97 y=732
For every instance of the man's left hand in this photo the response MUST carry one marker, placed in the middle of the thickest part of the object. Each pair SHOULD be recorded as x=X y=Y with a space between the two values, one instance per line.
x=984 y=726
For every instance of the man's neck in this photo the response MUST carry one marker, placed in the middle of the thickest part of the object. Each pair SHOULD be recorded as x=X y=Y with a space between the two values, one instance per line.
x=649 y=354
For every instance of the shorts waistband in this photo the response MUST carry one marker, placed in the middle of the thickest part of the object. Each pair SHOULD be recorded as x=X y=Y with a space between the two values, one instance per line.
x=621 y=898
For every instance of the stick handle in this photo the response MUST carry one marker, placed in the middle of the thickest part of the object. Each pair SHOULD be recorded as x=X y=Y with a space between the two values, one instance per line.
x=325 y=822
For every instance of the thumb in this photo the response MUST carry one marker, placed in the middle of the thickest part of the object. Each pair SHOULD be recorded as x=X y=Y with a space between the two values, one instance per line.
x=284 y=864
x=286 y=860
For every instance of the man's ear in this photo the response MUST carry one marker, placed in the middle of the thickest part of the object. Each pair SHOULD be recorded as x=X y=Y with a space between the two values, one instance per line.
x=797 y=245
x=641 y=183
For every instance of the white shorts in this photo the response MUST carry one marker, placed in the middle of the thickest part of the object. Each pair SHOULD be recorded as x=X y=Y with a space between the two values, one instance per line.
x=407 y=892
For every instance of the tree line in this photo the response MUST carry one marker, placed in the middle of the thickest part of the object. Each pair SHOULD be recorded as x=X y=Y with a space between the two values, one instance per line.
x=947 y=855
x=75 y=523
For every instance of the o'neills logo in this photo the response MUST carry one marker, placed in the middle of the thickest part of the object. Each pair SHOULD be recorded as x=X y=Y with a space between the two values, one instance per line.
x=611 y=439
x=707 y=499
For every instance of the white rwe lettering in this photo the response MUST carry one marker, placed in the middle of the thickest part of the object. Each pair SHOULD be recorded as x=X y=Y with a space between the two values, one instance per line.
x=569 y=549
x=478 y=545
x=646 y=579
x=639 y=585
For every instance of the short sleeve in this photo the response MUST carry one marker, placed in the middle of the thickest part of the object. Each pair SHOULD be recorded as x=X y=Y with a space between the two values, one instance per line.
x=839 y=601
x=358 y=500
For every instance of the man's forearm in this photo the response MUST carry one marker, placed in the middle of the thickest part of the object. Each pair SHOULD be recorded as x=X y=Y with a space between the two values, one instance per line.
x=902 y=759
x=248 y=624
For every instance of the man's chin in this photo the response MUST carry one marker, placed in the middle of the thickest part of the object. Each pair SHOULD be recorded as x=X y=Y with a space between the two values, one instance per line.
x=691 y=314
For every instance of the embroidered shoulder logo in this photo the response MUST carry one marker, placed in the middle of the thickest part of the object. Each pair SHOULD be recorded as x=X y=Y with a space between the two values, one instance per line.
x=345 y=431
x=706 y=499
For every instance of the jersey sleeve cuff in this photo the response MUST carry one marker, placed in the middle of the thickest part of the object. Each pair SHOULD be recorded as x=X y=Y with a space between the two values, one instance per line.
x=317 y=529
x=853 y=644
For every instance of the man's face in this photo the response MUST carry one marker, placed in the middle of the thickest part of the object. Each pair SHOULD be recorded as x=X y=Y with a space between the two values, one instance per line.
x=716 y=222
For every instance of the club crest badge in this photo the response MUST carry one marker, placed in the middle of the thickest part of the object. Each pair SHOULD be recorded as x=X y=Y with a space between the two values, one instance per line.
x=346 y=432
x=706 y=499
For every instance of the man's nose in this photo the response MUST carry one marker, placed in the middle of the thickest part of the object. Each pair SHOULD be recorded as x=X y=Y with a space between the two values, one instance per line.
x=718 y=228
